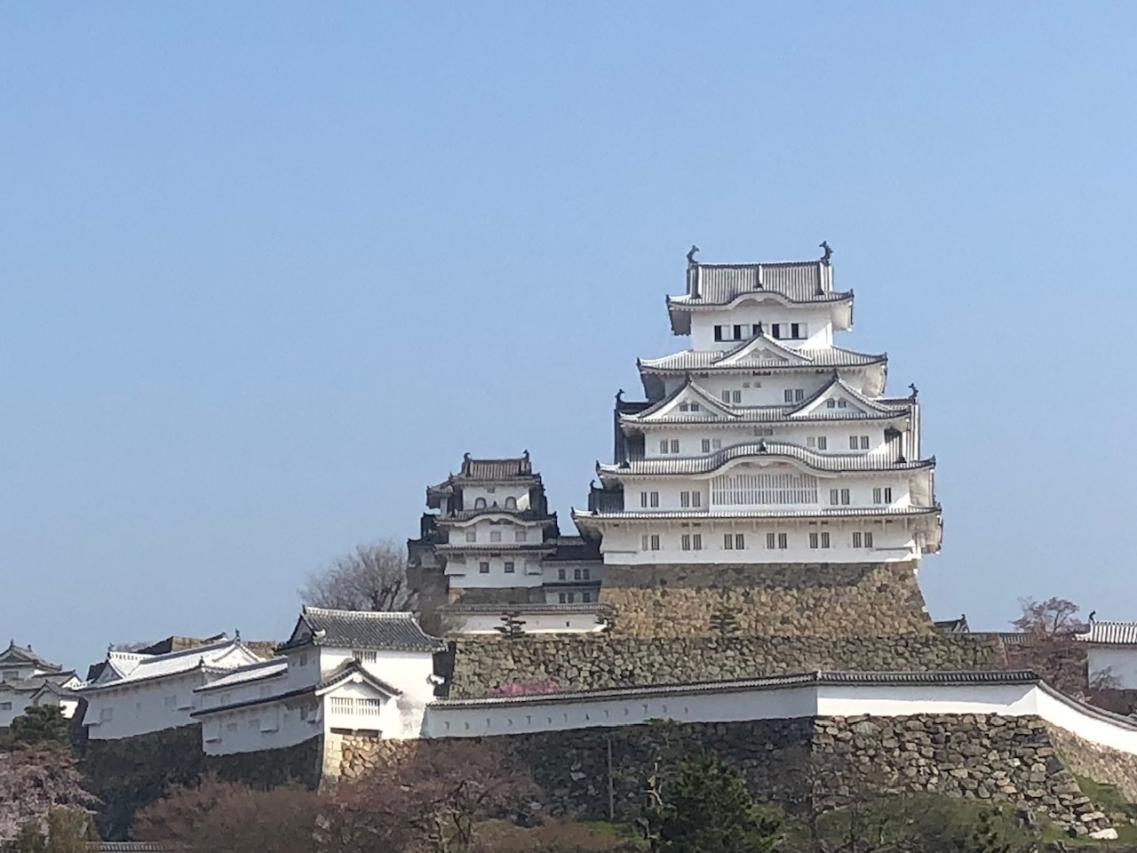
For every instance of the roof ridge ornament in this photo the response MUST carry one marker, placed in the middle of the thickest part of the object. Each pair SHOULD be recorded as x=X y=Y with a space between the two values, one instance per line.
x=694 y=250
x=915 y=391
x=826 y=257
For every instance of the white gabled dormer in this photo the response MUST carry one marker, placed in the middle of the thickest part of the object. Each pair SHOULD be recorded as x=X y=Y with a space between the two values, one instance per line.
x=689 y=400
x=761 y=350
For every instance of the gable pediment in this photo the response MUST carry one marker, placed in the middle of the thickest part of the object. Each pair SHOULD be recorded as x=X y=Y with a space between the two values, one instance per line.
x=761 y=350
x=841 y=400
x=691 y=402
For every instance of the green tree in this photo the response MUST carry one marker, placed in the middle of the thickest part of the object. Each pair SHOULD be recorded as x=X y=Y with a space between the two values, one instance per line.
x=30 y=839
x=67 y=832
x=39 y=724
x=706 y=808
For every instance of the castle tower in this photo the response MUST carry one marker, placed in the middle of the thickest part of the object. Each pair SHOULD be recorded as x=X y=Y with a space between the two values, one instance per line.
x=489 y=547
x=491 y=527
x=764 y=442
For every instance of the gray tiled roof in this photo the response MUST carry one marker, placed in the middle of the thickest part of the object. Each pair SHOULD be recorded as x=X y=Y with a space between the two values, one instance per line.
x=772 y=682
x=837 y=462
x=1111 y=633
x=798 y=281
x=878 y=409
x=953 y=626
x=821 y=513
x=496 y=469
x=496 y=547
x=25 y=655
x=689 y=360
x=575 y=549
x=516 y=469
x=357 y=629
x=30 y=685
x=350 y=667
x=536 y=607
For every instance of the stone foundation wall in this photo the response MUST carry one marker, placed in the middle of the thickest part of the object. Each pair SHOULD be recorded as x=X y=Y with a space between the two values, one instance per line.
x=1099 y=763
x=586 y=662
x=782 y=600
x=301 y=764
x=130 y=773
x=985 y=757
x=799 y=763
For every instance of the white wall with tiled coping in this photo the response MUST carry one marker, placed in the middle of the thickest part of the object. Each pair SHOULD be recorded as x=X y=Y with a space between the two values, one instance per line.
x=736 y=703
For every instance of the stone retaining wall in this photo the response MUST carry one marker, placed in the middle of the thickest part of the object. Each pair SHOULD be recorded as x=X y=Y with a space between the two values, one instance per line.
x=1100 y=763
x=799 y=763
x=301 y=764
x=129 y=774
x=783 y=600
x=576 y=662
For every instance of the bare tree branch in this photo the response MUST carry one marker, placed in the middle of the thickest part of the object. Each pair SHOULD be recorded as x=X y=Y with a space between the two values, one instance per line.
x=373 y=577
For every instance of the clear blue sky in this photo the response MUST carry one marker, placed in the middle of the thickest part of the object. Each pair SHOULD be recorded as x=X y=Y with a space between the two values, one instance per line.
x=267 y=269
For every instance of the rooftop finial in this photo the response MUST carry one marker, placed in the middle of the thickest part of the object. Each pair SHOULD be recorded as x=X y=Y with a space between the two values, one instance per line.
x=915 y=391
x=762 y=446
x=525 y=453
x=619 y=396
x=827 y=252
x=694 y=250
x=759 y=331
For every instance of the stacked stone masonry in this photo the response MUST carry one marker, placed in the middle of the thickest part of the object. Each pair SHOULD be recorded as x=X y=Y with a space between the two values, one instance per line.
x=486 y=666
x=1100 y=763
x=801 y=763
x=772 y=600
x=129 y=774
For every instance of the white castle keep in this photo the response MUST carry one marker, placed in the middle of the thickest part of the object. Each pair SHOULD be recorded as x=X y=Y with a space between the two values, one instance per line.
x=764 y=442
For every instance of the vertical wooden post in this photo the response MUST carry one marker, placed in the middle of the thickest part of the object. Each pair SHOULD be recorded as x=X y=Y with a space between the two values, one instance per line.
x=611 y=783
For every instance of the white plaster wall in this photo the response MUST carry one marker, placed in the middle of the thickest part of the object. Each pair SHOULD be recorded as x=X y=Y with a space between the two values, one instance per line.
x=758 y=390
x=860 y=488
x=410 y=672
x=507 y=527
x=767 y=312
x=141 y=708
x=464 y=572
x=810 y=700
x=506 y=718
x=246 y=692
x=1072 y=717
x=495 y=495
x=1117 y=662
x=535 y=623
x=893 y=540
x=562 y=572
x=18 y=672
x=273 y=725
x=12 y=705
x=690 y=438
x=900 y=700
